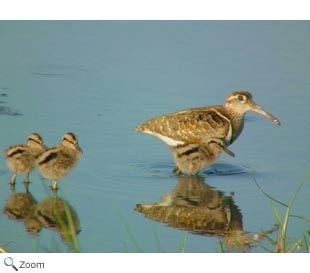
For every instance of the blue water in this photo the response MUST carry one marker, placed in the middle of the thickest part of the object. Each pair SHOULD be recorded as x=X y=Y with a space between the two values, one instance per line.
x=101 y=79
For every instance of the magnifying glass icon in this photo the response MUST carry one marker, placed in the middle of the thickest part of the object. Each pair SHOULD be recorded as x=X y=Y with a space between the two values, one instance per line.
x=8 y=261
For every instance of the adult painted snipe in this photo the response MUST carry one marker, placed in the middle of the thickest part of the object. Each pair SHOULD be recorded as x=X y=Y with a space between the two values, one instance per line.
x=198 y=136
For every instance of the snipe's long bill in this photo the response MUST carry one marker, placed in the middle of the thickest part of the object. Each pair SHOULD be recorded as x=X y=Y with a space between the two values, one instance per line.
x=198 y=136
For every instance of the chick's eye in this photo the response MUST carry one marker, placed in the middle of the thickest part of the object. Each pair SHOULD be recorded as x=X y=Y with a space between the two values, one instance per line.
x=241 y=98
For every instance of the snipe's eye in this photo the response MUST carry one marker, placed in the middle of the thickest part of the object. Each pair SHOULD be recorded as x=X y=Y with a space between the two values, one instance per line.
x=241 y=98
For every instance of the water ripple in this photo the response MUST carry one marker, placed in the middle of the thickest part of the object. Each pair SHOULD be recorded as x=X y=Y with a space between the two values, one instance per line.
x=5 y=110
x=227 y=169
x=56 y=70
x=161 y=170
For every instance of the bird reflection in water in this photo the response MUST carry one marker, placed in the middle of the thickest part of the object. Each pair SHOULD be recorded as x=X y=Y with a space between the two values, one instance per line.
x=21 y=206
x=53 y=213
x=56 y=213
x=200 y=209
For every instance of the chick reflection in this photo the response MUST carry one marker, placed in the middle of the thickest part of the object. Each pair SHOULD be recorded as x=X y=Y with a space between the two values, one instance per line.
x=22 y=207
x=199 y=208
x=56 y=213
x=53 y=213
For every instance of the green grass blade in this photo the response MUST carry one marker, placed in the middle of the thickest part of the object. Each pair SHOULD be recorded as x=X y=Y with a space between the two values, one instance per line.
x=281 y=244
x=288 y=213
x=132 y=237
x=273 y=242
x=265 y=248
x=71 y=227
x=277 y=215
x=295 y=246
x=269 y=196
x=306 y=219
x=307 y=245
x=222 y=246
x=182 y=247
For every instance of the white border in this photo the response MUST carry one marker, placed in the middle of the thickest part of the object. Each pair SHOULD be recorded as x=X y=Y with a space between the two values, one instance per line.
x=154 y=10
x=95 y=262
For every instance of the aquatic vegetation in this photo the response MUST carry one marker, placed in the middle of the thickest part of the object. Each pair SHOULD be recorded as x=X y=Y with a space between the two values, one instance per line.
x=281 y=243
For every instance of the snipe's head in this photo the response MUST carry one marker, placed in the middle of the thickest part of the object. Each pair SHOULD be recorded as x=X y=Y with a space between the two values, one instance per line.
x=36 y=141
x=241 y=102
x=69 y=140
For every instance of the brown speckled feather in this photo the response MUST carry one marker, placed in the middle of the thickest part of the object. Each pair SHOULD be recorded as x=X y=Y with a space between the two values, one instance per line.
x=191 y=126
x=21 y=159
x=59 y=161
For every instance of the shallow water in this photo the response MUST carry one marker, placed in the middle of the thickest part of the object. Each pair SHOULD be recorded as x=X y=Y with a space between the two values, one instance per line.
x=102 y=79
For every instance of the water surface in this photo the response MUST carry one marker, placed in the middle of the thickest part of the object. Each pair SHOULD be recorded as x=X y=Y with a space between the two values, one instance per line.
x=102 y=79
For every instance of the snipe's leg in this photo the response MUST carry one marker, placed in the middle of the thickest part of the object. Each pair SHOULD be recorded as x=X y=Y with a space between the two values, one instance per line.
x=12 y=182
x=12 y=187
x=26 y=186
x=27 y=178
x=54 y=192
x=54 y=185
